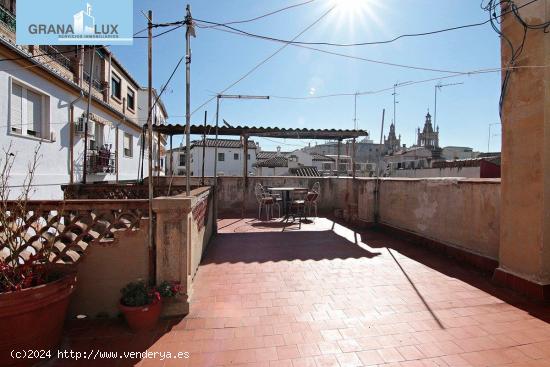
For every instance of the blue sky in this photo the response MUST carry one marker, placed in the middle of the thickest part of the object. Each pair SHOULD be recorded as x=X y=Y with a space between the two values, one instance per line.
x=219 y=58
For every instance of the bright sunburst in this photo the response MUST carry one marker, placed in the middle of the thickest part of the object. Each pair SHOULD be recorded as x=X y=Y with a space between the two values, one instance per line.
x=353 y=13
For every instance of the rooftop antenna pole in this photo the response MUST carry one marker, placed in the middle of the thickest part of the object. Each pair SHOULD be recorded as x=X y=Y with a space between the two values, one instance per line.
x=381 y=142
x=437 y=87
x=355 y=111
x=190 y=32
x=227 y=96
x=149 y=135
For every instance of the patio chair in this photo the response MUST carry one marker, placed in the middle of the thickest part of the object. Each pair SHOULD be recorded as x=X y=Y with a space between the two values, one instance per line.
x=297 y=209
x=277 y=200
x=264 y=201
x=312 y=197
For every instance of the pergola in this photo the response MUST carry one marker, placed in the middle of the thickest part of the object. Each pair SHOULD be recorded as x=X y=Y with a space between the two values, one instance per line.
x=273 y=132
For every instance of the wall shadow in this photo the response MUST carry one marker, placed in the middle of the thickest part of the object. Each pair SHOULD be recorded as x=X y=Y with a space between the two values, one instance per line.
x=378 y=238
x=281 y=246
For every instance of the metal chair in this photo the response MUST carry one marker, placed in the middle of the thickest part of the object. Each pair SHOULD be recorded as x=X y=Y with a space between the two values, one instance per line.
x=277 y=199
x=264 y=201
x=312 y=197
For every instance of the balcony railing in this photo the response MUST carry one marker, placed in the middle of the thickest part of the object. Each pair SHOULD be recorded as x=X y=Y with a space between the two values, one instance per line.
x=55 y=54
x=100 y=161
x=7 y=19
x=96 y=84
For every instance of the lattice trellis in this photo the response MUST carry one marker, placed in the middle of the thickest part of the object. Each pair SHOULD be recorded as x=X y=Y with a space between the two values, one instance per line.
x=118 y=192
x=63 y=232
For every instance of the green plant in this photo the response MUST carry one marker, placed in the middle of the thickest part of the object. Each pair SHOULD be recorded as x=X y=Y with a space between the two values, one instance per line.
x=139 y=293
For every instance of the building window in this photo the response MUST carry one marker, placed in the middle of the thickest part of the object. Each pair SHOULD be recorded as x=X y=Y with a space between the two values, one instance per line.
x=236 y=156
x=28 y=112
x=248 y=155
x=131 y=100
x=221 y=157
x=128 y=144
x=96 y=141
x=116 y=87
x=182 y=160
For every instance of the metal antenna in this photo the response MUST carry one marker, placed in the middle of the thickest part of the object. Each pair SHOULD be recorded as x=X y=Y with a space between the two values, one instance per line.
x=437 y=87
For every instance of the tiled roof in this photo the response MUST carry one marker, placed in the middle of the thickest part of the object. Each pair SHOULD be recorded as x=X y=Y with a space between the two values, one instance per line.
x=263 y=155
x=277 y=161
x=273 y=132
x=305 y=172
x=470 y=162
x=224 y=143
x=321 y=158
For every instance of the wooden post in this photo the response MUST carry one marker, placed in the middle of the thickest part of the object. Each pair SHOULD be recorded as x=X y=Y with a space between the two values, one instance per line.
x=353 y=156
x=152 y=250
x=245 y=173
x=171 y=158
x=71 y=143
x=338 y=158
x=204 y=146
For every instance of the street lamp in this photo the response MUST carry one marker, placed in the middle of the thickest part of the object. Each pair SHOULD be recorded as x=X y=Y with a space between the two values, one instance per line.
x=227 y=96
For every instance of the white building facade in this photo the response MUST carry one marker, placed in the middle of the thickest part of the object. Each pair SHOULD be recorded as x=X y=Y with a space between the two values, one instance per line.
x=43 y=103
x=230 y=158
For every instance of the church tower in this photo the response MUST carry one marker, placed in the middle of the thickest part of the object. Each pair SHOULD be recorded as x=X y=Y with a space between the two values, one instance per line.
x=428 y=137
x=392 y=143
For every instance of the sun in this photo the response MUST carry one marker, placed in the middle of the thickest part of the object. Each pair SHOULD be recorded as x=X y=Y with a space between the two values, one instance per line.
x=357 y=13
x=350 y=6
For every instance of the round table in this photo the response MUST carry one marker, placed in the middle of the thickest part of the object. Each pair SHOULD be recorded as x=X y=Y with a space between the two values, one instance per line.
x=286 y=195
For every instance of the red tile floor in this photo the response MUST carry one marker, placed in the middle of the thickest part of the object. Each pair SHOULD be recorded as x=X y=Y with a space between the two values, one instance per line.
x=323 y=295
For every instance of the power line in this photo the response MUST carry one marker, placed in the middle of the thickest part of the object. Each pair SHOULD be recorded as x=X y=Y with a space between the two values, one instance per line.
x=354 y=57
x=268 y=14
x=408 y=35
x=265 y=60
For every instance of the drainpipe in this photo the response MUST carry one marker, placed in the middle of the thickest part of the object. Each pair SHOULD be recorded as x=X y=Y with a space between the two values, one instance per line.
x=71 y=135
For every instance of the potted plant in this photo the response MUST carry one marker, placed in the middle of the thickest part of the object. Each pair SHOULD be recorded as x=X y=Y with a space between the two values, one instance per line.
x=141 y=304
x=34 y=289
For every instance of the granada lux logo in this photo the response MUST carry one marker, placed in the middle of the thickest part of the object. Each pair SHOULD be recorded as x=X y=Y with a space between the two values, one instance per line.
x=83 y=25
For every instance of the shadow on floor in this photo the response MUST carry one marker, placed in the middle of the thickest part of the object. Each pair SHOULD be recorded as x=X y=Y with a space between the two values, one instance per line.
x=377 y=238
x=280 y=246
x=107 y=337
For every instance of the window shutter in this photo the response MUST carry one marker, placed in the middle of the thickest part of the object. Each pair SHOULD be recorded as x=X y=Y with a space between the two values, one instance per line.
x=34 y=113
x=16 y=113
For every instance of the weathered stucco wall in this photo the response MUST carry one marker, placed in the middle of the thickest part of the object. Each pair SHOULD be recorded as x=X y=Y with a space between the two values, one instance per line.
x=463 y=213
x=105 y=270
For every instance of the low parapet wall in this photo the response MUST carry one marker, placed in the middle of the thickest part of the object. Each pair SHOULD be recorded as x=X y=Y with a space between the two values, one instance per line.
x=460 y=213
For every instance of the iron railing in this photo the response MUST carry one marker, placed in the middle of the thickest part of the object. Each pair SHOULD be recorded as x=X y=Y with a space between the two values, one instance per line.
x=100 y=161
x=55 y=54
x=7 y=18
x=96 y=84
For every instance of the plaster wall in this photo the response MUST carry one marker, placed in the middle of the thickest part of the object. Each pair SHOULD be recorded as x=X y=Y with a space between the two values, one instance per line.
x=525 y=220
x=457 y=212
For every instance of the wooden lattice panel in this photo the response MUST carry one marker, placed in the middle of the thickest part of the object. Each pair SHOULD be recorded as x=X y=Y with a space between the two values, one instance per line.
x=63 y=230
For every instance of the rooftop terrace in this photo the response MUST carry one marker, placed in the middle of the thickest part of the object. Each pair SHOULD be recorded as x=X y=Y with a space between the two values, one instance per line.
x=268 y=294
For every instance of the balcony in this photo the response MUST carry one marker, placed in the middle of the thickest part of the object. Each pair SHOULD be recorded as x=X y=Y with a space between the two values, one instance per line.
x=54 y=54
x=7 y=19
x=100 y=161
x=96 y=84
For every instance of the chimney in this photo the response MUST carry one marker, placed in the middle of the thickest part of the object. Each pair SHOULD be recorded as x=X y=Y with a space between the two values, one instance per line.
x=279 y=150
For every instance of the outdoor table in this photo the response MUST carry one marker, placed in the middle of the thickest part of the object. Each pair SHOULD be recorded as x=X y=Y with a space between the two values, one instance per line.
x=286 y=195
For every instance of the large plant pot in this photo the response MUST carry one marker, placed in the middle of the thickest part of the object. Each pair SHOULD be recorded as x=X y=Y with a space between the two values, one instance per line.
x=32 y=319
x=143 y=318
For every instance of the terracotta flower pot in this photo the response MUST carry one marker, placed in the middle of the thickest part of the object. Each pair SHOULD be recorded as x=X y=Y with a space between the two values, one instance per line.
x=32 y=319
x=143 y=318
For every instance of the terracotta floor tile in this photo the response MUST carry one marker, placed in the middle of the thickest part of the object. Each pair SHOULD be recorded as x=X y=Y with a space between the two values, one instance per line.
x=324 y=295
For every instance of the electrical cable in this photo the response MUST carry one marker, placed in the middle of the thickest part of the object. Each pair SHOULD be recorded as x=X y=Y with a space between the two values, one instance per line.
x=265 y=60
x=268 y=14
x=215 y=24
x=355 y=57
